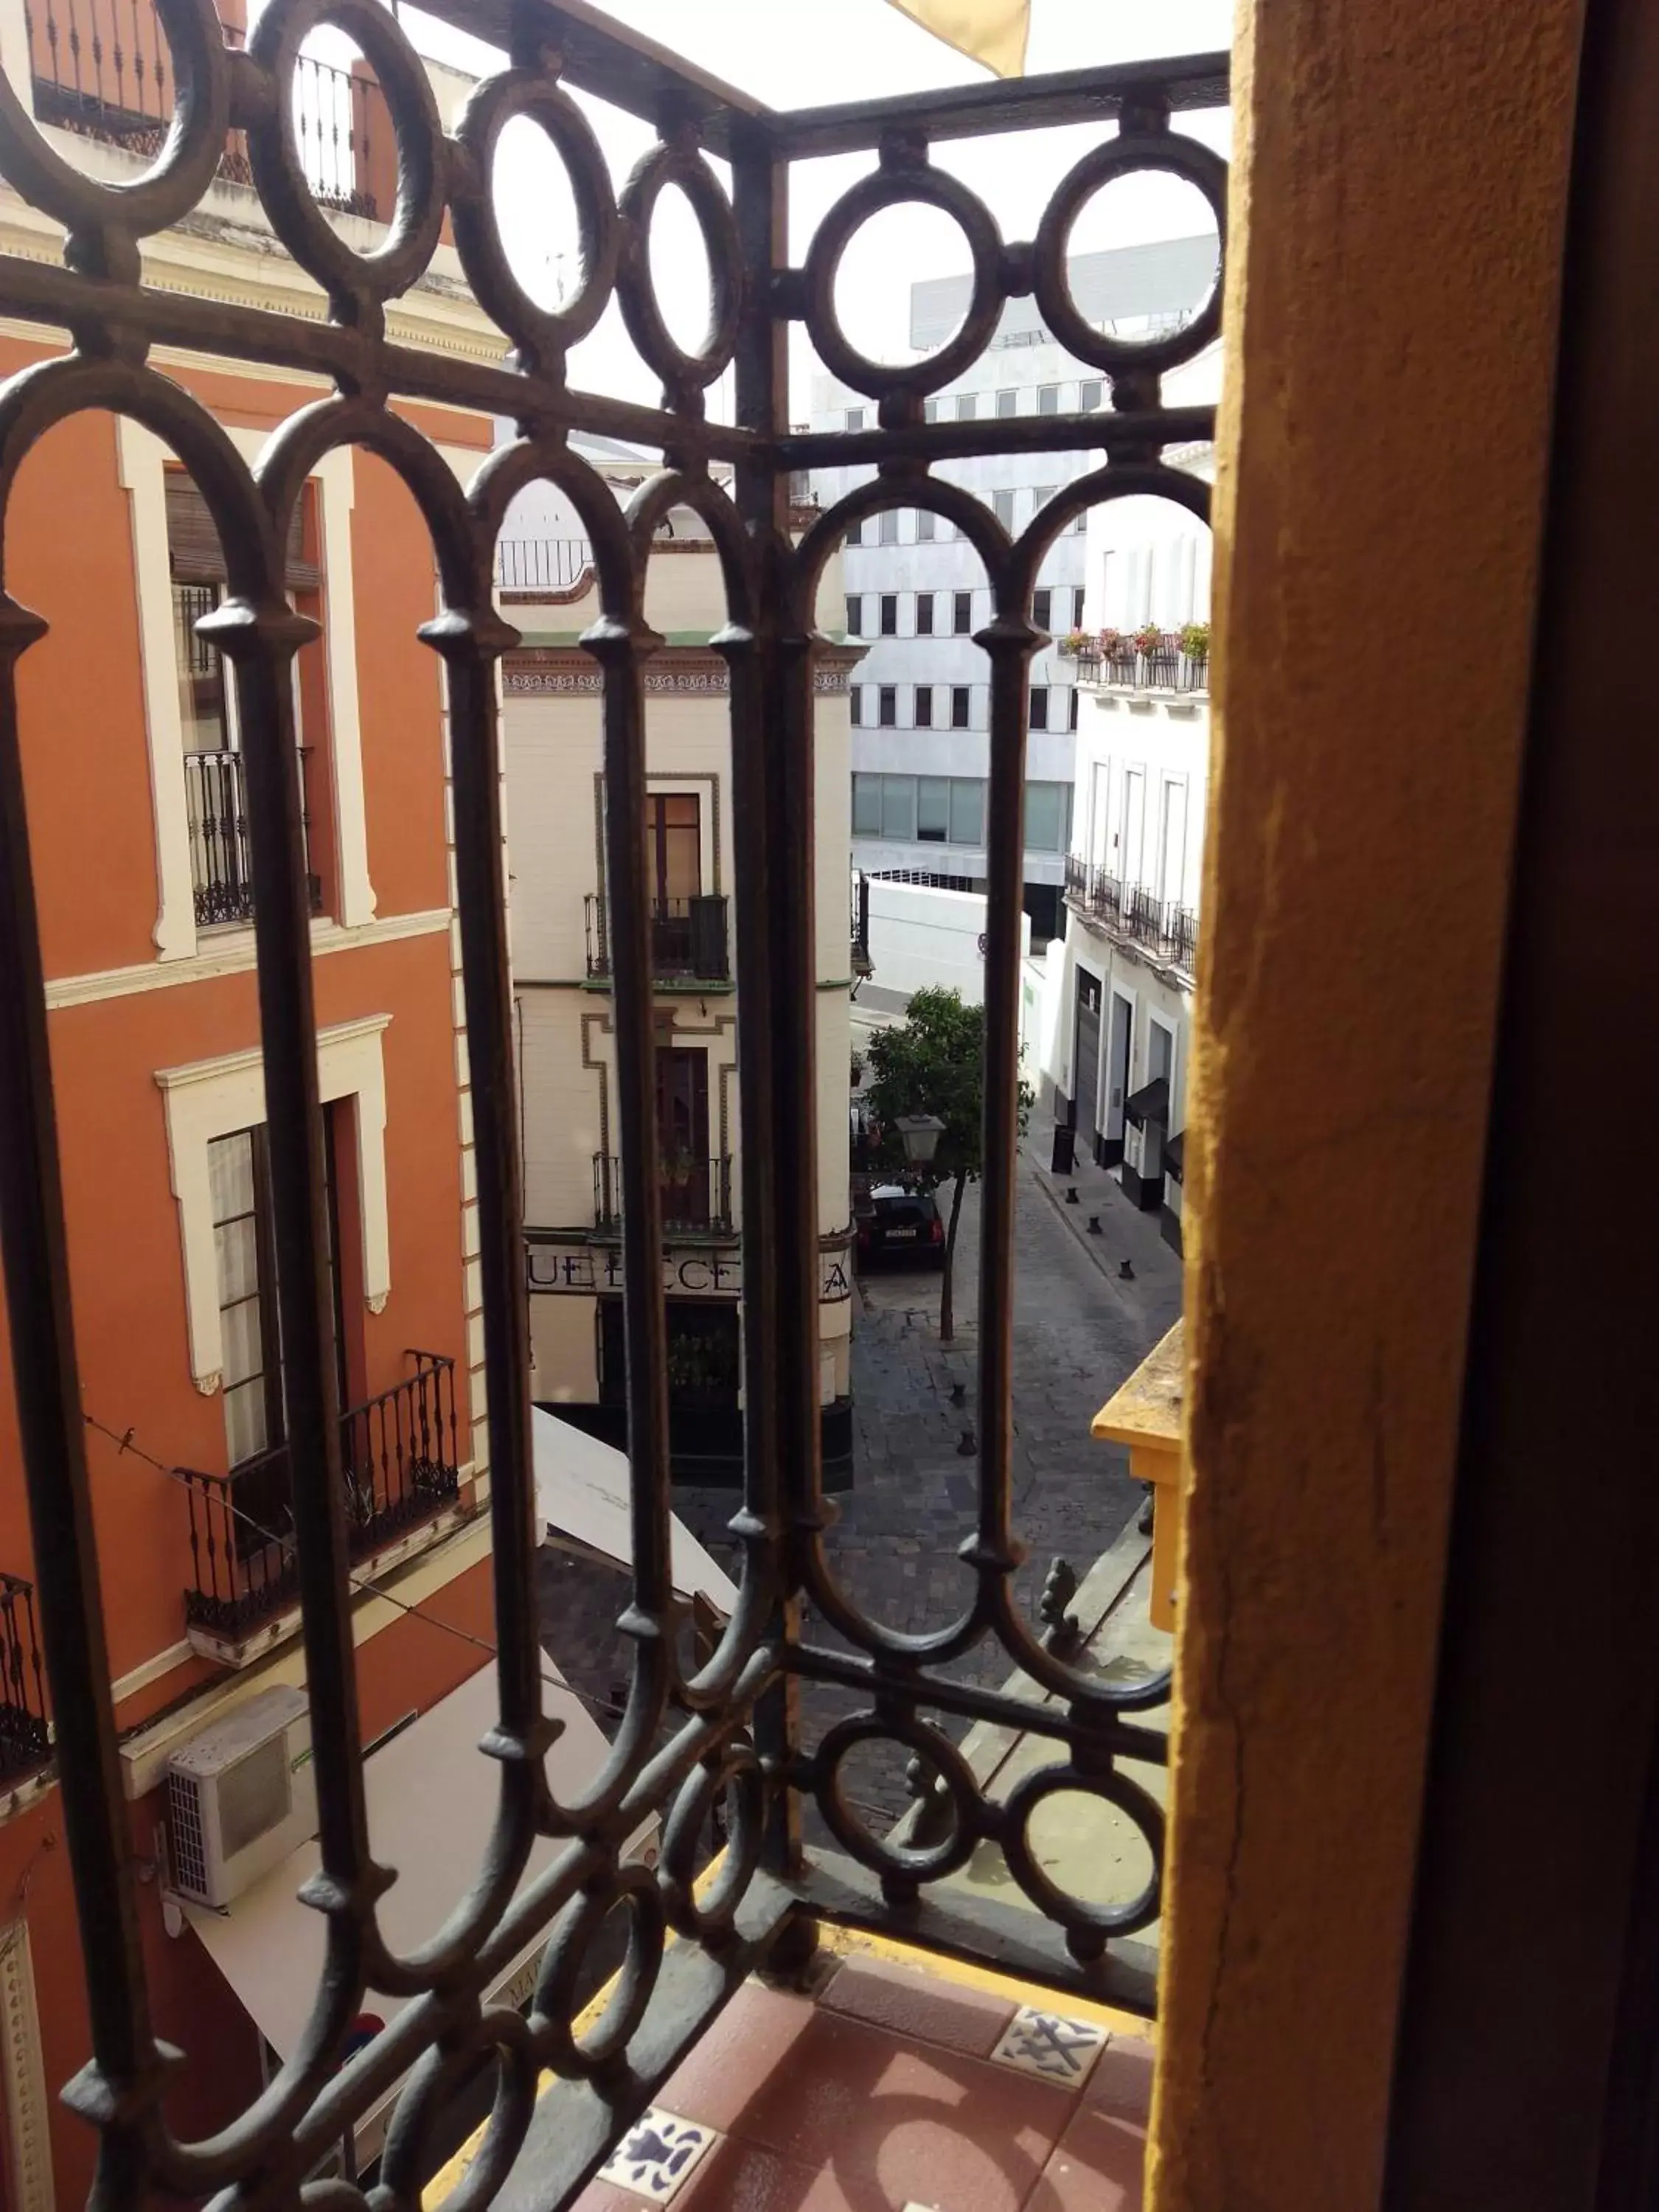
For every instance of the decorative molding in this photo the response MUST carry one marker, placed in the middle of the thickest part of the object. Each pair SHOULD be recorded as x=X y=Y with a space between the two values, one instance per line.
x=213 y=1098
x=24 y=2076
x=141 y=464
x=151 y=1670
x=209 y=1385
x=232 y=953
x=376 y=1301
x=543 y=682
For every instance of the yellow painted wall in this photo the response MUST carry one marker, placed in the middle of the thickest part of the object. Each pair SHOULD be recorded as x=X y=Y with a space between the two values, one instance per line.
x=1398 y=200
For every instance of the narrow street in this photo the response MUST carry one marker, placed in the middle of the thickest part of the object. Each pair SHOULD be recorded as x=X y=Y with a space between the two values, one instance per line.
x=1078 y=1330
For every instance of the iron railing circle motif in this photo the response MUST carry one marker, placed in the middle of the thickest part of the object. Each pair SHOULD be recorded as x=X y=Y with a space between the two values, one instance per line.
x=91 y=209
x=351 y=279
x=728 y=1730
x=679 y=161
x=895 y=182
x=1173 y=155
x=540 y=333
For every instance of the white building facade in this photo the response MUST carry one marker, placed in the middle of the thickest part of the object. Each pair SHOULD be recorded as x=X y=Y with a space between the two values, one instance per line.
x=916 y=592
x=551 y=709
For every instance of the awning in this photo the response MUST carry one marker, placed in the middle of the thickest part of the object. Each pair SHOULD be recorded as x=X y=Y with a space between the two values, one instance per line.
x=431 y=1797
x=1174 y=1155
x=1151 y=1103
x=581 y=1492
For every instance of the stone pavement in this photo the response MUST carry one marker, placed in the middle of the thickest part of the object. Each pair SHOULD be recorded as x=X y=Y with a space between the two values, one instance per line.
x=1079 y=1331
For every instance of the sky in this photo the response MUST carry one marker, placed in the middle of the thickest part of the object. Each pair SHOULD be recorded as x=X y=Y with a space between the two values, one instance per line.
x=801 y=52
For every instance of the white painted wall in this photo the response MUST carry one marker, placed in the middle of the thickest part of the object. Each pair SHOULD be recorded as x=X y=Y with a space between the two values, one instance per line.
x=920 y=939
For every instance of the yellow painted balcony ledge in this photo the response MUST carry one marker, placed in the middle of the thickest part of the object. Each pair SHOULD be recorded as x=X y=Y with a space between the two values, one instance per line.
x=1145 y=1413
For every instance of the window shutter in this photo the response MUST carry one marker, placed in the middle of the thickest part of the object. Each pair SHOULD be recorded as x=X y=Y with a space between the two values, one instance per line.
x=195 y=555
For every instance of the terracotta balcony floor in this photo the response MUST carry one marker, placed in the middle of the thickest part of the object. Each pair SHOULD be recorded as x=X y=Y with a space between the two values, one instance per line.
x=893 y=2088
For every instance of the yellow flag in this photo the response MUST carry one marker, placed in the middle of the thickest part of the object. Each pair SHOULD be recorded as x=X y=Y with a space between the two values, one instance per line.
x=990 y=30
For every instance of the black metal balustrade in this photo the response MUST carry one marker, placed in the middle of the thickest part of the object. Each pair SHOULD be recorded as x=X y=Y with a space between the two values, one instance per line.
x=1164 y=668
x=1167 y=930
x=103 y=69
x=542 y=564
x=220 y=856
x=25 y=1738
x=862 y=963
x=693 y=1194
x=687 y=937
x=399 y=1466
x=732 y=1732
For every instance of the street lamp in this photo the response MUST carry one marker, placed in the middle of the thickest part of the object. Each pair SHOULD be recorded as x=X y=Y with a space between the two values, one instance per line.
x=920 y=1133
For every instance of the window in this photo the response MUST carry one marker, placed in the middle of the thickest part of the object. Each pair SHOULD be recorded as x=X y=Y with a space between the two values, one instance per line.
x=924 y=614
x=854 y=533
x=934 y=809
x=1081 y=522
x=887 y=527
x=673 y=848
x=1002 y=506
x=966 y=810
x=1076 y=606
x=1042 y=603
x=1048 y=399
x=867 y=806
x=958 y=706
x=961 y=614
x=967 y=406
x=898 y=807
x=855 y=614
x=252 y=1391
x=924 y=706
x=1007 y=402
x=1071 y=719
x=855 y=418
x=1088 y=394
x=1040 y=497
x=887 y=706
x=889 y=614
x=925 y=519
x=1047 y=829
x=855 y=705
x=1039 y=706
x=930 y=410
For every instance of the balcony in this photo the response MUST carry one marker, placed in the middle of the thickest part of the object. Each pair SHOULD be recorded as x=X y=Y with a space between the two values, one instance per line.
x=1125 y=664
x=220 y=856
x=25 y=1738
x=103 y=69
x=689 y=940
x=536 y=566
x=696 y=1194
x=399 y=1465
x=1167 y=932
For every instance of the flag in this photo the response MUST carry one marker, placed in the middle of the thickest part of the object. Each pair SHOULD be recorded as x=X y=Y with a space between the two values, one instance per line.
x=990 y=30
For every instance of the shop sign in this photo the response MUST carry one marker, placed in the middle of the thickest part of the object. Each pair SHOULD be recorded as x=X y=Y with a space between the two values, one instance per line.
x=688 y=1272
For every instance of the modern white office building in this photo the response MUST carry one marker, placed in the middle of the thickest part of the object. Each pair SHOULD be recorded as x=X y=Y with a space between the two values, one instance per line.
x=916 y=592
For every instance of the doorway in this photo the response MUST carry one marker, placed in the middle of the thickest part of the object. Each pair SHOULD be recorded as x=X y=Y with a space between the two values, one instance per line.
x=1085 y=1059
x=682 y=1137
x=1110 y=1150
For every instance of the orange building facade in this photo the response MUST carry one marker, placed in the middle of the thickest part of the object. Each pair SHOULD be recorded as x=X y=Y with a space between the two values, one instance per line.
x=137 y=823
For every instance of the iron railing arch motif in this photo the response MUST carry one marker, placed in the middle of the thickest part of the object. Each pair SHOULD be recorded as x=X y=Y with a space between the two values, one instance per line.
x=735 y=1732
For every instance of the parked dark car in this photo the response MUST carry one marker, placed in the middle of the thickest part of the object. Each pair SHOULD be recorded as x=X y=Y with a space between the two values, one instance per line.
x=899 y=1228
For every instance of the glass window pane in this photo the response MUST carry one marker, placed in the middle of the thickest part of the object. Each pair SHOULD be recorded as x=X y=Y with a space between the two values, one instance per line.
x=967 y=406
x=887 y=527
x=243 y=1340
x=1041 y=608
x=924 y=614
x=855 y=418
x=1048 y=399
x=930 y=410
x=1002 y=506
x=855 y=532
x=867 y=806
x=959 y=706
x=924 y=706
x=962 y=613
x=1007 y=402
x=1041 y=496
x=887 y=706
x=966 y=810
x=1088 y=395
x=925 y=520
x=230 y=1175
x=244 y=1421
x=1039 y=706
x=854 y=616
x=933 y=808
x=889 y=614
x=1044 y=820
x=236 y=1257
x=898 y=806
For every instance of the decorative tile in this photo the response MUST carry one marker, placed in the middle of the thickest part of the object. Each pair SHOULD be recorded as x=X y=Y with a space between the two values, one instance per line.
x=656 y=2154
x=1050 y=2044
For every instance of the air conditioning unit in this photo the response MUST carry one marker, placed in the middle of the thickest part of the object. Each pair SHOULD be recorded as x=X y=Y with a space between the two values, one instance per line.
x=241 y=1796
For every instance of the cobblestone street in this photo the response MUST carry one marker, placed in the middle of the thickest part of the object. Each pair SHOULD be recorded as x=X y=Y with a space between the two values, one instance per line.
x=1078 y=1330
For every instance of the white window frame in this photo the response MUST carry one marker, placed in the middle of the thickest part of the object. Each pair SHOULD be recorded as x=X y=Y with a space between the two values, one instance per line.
x=213 y=1098
x=141 y=463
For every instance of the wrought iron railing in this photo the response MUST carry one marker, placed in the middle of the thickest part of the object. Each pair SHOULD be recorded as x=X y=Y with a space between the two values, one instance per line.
x=1132 y=668
x=25 y=1737
x=542 y=564
x=1164 y=928
x=220 y=853
x=399 y=1466
x=734 y=1729
x=688 y=938
x=862 y=965
x=693 y=1194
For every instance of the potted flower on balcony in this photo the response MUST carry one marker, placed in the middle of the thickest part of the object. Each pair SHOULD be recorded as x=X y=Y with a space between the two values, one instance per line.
x=1195 y=640
x=1076 y=644
x=1148 y=639
x=1114 y=646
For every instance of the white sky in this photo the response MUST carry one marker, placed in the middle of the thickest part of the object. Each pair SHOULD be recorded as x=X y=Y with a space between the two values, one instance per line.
x=809 y=52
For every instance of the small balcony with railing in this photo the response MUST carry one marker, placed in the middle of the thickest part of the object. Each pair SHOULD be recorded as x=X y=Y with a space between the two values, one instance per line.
x=542 y=568
x=696 y=1194
x=220 y=856
x=25 y=1734
x=399 y=1467
x=1173 y=662
x=1165 y=930
x=691 y=943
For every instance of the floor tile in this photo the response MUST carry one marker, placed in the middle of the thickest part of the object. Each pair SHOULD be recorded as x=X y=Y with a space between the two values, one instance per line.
x=1100 y=2167
x=1050 y=2044
x=906 y=2002
x=1122 y=2082
x=733 y=2057
x=656 y=2157
x=880 y=2123
x=742 y=2177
